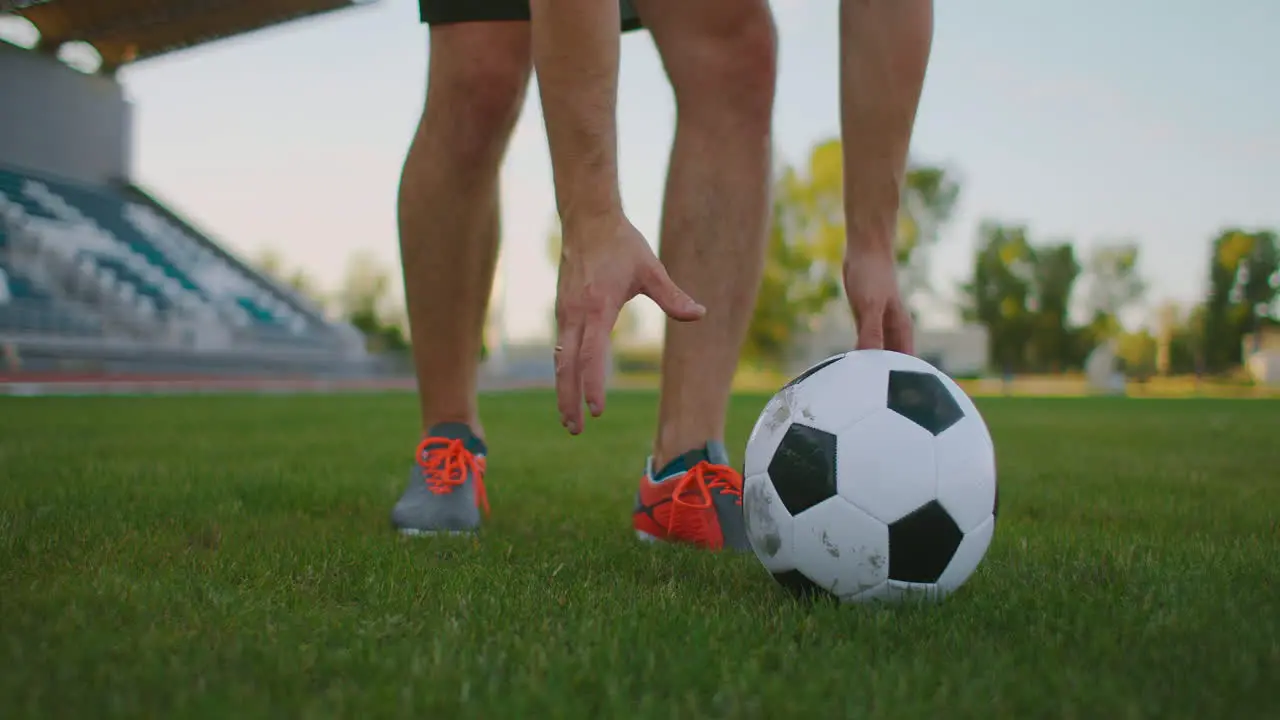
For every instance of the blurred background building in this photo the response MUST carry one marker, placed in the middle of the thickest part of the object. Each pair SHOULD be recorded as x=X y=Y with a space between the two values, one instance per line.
x=96 y=273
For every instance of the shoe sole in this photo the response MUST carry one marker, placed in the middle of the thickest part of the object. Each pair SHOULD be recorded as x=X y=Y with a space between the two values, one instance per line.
x=650 y=539
x=414 y=532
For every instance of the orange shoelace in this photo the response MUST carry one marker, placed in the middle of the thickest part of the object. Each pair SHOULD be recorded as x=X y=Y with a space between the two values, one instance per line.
x=446 y=463
x=703 y=478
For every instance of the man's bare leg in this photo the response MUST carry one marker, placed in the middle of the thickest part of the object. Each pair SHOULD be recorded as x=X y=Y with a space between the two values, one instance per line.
x=721 y=57
x=448 y=206
x=448 y=212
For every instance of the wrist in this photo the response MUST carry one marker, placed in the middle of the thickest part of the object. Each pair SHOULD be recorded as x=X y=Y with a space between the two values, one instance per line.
x=874 y=240
x=590 y=204
x=872 y=217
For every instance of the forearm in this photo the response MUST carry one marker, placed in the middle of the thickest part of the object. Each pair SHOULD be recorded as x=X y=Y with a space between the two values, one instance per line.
x=884 y=50
x=575 y=55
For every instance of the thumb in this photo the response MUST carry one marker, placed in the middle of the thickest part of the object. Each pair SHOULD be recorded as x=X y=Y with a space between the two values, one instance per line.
x=871 y=329
x=675 y=302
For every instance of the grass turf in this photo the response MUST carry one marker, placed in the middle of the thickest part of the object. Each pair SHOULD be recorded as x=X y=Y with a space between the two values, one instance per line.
x=219 y=557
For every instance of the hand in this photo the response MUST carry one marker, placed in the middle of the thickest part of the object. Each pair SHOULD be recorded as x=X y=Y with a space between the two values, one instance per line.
x=871 y=284
x=604 y=262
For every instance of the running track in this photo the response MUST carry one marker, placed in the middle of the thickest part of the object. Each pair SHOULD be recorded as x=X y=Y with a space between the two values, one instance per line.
x=44 y=384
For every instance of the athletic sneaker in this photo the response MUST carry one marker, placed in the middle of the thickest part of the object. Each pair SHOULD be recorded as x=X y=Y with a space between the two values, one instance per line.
x=696 y=498
x=446 y=485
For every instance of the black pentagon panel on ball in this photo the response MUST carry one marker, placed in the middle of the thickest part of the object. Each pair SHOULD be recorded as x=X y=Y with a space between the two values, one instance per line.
x=922 y=398
x=809 y=373
x=922 y=544
x=802 y=587
x=803 y=468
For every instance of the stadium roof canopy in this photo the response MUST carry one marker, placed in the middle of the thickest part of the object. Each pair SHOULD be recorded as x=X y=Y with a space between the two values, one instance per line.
x=126 y=31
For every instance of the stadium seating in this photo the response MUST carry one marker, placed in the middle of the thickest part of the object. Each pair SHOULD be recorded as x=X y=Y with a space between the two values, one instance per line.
x=25 y=307
x=87 y=260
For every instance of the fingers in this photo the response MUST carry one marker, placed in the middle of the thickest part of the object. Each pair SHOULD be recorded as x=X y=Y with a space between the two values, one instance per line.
x=886 y=328
x=568 y=376
x=675 y=302
x=592 y=361
x=870 y=327
x=898 y=334
x=580 y=359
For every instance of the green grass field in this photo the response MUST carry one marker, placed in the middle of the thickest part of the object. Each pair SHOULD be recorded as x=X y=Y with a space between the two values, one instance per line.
x=231 y=557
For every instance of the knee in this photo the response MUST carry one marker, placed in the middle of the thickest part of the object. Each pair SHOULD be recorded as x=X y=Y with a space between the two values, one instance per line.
x=486 y=96
x=475 y=89
x=730 y=68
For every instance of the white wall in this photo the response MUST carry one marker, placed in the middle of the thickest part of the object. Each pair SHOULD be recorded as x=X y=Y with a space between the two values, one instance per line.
x=61 y=121
x=962 y=351
x=1265 y=367
x=959 y=351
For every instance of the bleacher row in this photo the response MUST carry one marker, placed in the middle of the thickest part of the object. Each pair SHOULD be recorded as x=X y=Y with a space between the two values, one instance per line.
x=90 y=262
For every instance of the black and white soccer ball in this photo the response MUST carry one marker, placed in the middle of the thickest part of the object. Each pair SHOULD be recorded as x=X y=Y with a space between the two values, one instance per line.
x=871 y=476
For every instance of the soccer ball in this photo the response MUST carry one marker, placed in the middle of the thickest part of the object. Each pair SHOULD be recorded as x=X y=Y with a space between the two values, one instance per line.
x=871 y=476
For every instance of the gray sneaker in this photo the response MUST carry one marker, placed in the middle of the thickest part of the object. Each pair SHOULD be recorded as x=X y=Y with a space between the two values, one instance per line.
x=446 y=486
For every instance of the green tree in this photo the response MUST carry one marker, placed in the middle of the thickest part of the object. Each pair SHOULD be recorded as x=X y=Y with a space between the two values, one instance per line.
x=366 y=286
x=1244 y=278
x=803 y=254
x=364 y=300
x=928 y=201
x=1000 y=289
x=805 y=247
x=271 y=263
x=1179 y=339
x=1139 y=352
x=1114 y=284
x=1022 y=292
x=1052 y=341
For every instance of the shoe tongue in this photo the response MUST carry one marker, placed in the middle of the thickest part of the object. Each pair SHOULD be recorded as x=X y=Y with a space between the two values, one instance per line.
x=458 y=431
x=713 y=452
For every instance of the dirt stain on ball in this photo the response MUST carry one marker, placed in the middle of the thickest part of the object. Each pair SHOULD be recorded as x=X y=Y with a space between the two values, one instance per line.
x=781 y=413
x=760 y=522
x=829 y=546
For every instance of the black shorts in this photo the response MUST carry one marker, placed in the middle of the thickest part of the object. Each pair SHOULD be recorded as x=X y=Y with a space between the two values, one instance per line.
x=443 y=12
